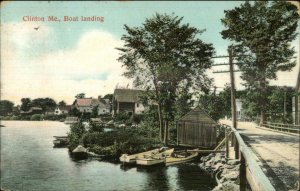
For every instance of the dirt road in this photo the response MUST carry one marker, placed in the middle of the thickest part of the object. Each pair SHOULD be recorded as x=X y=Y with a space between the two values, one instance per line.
x=278 y=154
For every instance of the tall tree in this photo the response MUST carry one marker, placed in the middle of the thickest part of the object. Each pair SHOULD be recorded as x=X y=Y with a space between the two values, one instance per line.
x=44 y=103
x=166 y=57
x=263 y=31
x=6 y=107
x=62 y=103
x=25 y=104
x=80 y=95
x=109 y=96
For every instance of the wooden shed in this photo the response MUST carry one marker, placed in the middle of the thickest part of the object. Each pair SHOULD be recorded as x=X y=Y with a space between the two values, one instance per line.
x=196 y=129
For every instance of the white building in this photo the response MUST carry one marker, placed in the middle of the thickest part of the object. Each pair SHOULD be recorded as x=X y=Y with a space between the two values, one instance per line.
x=239 y=109
x=62 y=110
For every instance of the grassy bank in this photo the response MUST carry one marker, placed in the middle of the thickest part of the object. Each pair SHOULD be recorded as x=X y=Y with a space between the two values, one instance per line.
x=113 y=143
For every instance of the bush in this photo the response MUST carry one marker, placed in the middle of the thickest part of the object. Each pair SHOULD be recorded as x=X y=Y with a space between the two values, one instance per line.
x=36 y=117
x=122 y=117
x=77 y=130
x=53 y=117
x=14 y=118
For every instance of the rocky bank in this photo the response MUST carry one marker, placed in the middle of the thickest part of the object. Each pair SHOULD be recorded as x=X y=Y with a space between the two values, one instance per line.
x=226 y=171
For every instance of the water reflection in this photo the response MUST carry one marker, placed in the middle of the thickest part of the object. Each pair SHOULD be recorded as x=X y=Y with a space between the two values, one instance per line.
x=190 y=176
x=157 y=178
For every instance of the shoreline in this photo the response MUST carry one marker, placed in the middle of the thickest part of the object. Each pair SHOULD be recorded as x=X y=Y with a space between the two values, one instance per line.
x=225 y=171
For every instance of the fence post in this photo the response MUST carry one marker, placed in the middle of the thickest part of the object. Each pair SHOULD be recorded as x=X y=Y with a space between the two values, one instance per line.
x=226 y=143
x=243 y=178
x=236 y=149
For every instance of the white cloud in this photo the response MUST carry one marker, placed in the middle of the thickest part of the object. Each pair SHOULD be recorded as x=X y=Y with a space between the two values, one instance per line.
x=90 y=66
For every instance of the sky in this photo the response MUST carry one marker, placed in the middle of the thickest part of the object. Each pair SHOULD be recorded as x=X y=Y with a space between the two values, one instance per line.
x=60 y=59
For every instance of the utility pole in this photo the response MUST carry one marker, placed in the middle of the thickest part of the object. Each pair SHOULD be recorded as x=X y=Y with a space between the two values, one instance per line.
x=232 y=81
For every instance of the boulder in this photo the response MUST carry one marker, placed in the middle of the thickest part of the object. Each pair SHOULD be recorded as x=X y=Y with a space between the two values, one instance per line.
x=233 y=162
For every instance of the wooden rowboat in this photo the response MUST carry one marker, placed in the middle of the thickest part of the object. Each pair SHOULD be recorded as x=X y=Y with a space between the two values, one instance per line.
x=131 y=159
x=156 y=159
x=180 y=158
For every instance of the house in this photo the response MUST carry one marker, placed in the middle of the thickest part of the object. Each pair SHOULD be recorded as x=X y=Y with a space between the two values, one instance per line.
x=62 y=110
x=104 y=106
x=239 y=109
x=127 y=100
x=85 y=105
x=197 y=129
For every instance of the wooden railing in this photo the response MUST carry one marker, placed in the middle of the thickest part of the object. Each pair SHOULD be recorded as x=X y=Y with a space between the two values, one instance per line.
x=283 y=127
x=250 y=171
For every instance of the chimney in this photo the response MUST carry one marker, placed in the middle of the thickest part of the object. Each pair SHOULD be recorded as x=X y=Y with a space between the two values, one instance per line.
x=99 y=97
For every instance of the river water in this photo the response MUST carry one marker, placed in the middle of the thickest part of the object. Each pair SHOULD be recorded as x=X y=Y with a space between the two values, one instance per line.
x=29 y=162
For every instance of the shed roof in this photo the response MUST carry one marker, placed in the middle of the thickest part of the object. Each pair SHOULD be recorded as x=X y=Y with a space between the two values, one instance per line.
x=197 y=115
x=127 y=95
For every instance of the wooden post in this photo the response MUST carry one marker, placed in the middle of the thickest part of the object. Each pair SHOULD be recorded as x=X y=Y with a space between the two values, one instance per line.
x=166 y=133
x=236 y=149
x=226 y=144
x=284 y=107
x=232 y=81
x=177 y=132
x=243 y=178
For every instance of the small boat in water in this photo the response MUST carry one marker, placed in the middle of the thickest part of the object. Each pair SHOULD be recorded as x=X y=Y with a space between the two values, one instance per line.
x=181 y=157
x=131 y=159
x=80 y=152
x=155 y=159
x=60 y=141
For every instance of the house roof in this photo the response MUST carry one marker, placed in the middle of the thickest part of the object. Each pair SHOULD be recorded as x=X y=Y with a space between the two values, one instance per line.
x=197 y=115
x=127 y=95
x=87 y=102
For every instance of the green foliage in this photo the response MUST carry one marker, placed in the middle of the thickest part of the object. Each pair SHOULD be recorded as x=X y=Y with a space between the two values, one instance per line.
x=6 y=107
x=109 y=96
x=62 y=103
x=53 y=117
x=44 y=103
x=136 y=118
x=77 y=130
x=122 y=117
x=74 y=112
x=36 y=117
x=80 y=95
x=166 y=57
x=94 y=127
x=217 y=105
x=26 y=104
x=263 y=31
x=94 y=112
x=275 y=97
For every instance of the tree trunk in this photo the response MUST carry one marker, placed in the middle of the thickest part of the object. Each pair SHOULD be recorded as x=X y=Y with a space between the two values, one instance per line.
x=263 y=100
x=161 y=133
x=262 y=118
x=166 y=133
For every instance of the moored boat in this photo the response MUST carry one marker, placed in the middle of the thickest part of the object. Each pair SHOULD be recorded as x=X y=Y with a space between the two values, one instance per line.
x=154 y=159
x=131 y=159
x=181 y=157
x=60 y=141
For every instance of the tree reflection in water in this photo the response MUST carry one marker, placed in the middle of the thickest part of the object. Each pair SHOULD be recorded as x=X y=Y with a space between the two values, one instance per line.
x=157 y=178
x=192 y=177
